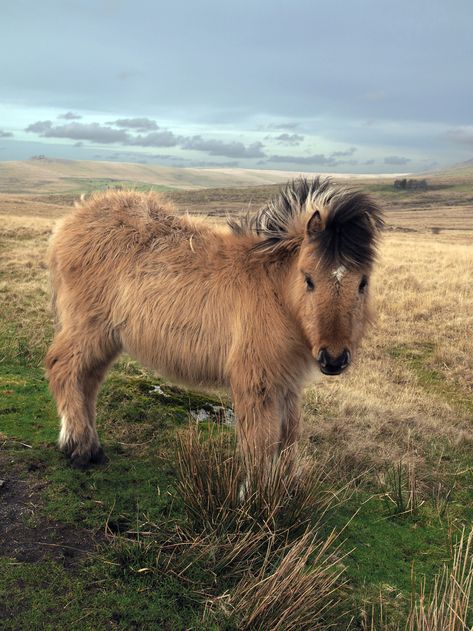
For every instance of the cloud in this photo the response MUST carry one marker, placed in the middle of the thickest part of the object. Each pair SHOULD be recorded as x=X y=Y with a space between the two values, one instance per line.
x=155 y=139
x=5 y=134
x=93 y=132
x=342 y=154
x=374 y=95
x=460 y=136
x=124 y=75
x=289 y=139
x=70 y=116
x=290 y=126
x=140 y=124
x=228 y=149
x=398 y=160
x=39 y=127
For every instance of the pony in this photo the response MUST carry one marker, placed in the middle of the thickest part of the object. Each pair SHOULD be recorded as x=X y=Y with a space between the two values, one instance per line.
x=252 y=306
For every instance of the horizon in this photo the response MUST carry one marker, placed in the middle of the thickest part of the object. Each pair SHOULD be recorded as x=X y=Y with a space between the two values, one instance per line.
x=239 y=86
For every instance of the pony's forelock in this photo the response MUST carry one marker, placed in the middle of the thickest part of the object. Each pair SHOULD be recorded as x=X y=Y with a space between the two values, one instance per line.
x=351 y=222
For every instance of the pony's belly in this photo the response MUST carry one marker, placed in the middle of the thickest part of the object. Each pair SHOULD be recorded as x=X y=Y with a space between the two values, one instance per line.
x=180 y=363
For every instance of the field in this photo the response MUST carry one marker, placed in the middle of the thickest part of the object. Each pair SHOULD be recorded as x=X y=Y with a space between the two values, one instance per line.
x=390 y=447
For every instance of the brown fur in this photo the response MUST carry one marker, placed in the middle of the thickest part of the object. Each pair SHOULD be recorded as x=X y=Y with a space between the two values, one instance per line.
x=200 y=304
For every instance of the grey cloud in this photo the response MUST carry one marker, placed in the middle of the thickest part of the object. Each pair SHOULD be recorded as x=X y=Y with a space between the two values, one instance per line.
x=5 y=134
x=39 y=127
x=342 y=154
x=399 y=160
x=289 y=139
x=140 y=124
x=374 y=95
x=93 y=132
x=228 y=149
x=70 y=116
x=126 y=74
x=460 y=136
x=155 y=139
x=283 y=126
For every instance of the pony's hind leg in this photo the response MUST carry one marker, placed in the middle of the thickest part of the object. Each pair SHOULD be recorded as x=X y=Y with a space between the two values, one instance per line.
x=76 y=365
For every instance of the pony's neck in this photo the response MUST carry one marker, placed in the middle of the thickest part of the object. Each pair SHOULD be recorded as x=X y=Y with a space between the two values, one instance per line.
x=279 y=267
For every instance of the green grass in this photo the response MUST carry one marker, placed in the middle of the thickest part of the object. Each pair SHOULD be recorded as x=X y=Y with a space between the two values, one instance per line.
x=137 y=488
x=419 y=359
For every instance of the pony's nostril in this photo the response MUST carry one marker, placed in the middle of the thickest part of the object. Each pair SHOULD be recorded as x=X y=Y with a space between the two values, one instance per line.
x=330 y=365
x=322 y=357
x=345 y=359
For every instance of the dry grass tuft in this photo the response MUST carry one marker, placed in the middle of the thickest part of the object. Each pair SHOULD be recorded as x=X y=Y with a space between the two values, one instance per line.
x=300 y=591
x=280 y=573
x=447 y=606
x=221 y=493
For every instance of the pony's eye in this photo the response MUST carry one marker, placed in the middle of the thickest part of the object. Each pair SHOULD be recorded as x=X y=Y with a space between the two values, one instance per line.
x=363 y=285
x=309 y=283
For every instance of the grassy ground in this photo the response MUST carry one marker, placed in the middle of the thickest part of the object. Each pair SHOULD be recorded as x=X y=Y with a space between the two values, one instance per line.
x=119 y=546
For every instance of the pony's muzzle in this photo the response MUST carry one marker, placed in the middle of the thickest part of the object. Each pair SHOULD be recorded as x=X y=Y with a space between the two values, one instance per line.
x=333 y=365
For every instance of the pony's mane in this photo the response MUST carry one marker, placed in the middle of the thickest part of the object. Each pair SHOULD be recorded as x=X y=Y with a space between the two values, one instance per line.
x=351 y=222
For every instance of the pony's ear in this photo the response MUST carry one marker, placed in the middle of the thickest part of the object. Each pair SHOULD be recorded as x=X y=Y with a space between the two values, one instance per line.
x=314 y=225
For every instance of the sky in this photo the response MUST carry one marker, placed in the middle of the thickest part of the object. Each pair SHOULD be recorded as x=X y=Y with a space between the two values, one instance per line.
x=360 y=86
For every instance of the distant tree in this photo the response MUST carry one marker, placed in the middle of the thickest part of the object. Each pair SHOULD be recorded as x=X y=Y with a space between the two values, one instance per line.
x=410 y=185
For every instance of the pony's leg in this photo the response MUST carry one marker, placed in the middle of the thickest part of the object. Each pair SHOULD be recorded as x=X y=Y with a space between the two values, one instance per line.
x=257 y=413
x=290 y=419
x=76 y=365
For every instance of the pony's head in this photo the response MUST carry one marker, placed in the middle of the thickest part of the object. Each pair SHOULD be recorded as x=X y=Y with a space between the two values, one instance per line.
x=330 y=233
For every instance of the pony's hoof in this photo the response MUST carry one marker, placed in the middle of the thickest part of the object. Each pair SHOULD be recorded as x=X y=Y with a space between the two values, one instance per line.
x=84 y=460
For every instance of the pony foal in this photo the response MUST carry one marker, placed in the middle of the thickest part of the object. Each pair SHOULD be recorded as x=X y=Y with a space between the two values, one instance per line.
x=252 y=306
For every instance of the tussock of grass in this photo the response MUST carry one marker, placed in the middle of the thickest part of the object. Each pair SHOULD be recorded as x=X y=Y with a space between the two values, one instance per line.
x=446 y=607
x=258 y=525
x=401 y=488
x=220 y=492
x=297 y=592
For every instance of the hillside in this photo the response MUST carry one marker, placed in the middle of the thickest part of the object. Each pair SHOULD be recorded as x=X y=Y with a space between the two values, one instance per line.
x=44 y=175
x=55 y=176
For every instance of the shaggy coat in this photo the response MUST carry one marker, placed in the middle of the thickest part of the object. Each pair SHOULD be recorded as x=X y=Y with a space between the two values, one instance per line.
x=253 y=306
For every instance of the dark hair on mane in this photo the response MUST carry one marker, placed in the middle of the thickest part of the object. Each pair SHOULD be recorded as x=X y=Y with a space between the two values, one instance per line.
x=351 y=222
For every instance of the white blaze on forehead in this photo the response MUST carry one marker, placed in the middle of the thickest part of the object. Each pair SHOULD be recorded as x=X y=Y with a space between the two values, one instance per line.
x=339 y=272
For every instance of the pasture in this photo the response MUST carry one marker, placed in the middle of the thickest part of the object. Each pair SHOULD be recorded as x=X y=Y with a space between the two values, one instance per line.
x=145 y=542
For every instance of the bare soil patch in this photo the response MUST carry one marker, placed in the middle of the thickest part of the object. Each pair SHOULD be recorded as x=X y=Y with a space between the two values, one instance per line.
x=26 y=533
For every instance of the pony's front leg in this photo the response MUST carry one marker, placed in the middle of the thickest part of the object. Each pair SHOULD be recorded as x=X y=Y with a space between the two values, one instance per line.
x=290 y=419
x=258 y=420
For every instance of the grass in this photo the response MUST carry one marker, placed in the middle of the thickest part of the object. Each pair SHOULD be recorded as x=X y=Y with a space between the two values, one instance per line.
x=88 y=185
x=160 y=537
